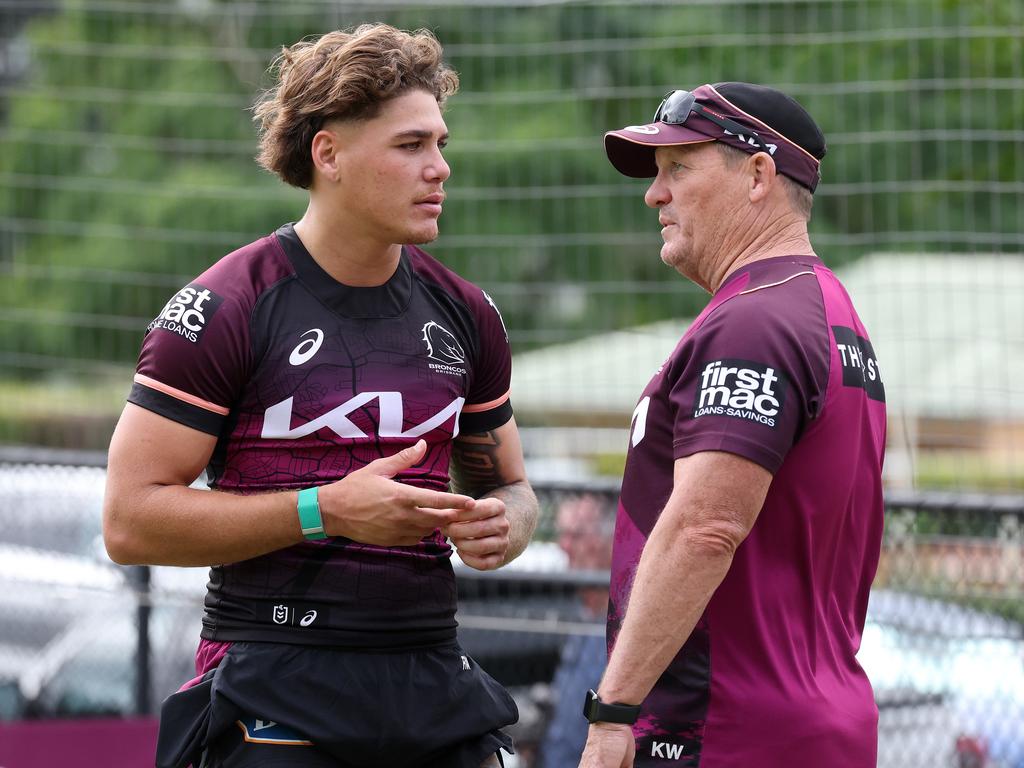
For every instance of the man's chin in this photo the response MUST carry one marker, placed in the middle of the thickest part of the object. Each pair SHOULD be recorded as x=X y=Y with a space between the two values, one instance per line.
x=669 y=255
x=422 y=236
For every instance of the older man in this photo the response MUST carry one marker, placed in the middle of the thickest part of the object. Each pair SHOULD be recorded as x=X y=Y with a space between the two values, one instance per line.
x=750 y=519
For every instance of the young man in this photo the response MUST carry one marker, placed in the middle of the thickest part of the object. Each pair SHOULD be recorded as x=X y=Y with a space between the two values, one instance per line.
x=750 y=518
x=326 y=376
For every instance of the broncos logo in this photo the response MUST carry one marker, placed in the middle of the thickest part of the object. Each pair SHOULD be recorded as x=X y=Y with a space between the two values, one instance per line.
x=442 y=345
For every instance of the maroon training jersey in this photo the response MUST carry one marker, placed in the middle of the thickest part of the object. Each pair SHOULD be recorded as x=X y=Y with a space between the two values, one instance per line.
x=779 y=369
x=304 y=380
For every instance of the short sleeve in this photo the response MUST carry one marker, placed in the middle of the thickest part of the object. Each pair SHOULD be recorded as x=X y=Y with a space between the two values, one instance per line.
x=195 y=358
x=751 y=380
x=488 y=404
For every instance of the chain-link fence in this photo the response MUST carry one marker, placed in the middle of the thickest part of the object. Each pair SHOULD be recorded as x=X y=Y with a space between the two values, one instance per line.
x=126 y=168
x=944 y=643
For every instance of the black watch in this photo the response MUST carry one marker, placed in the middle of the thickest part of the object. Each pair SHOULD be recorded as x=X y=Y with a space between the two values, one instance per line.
x=596 y=711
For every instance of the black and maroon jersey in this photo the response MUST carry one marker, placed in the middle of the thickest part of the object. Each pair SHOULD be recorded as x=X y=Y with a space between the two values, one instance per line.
x=304 y=380
x=779 y=369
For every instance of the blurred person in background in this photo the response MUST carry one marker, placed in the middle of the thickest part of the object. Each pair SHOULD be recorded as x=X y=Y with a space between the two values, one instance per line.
x=584 y=526
x=750 y=519
x=327 y=377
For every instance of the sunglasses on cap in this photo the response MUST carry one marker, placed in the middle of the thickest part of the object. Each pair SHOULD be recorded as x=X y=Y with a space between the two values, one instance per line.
x=677 y=106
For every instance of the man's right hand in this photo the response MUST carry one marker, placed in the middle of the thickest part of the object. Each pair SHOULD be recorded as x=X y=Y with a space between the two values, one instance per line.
x=370 y=507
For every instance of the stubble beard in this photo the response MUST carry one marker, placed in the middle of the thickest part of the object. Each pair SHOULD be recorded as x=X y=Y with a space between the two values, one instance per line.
x=674 y=254
x=422 y=235
x=682 y=259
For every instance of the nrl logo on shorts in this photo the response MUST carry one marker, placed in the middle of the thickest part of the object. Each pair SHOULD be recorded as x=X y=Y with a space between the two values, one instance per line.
x=443 y=347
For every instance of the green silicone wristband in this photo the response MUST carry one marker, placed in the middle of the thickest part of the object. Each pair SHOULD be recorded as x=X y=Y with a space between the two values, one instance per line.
x=310 y=521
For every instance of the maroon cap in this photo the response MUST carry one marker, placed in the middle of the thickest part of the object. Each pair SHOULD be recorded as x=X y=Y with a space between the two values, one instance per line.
x=791 y=136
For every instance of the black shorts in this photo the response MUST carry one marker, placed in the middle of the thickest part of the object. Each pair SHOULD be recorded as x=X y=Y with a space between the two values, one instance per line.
x=270 y=704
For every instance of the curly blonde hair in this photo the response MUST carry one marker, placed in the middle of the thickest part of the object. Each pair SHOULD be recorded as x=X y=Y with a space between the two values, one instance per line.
x=344 y=75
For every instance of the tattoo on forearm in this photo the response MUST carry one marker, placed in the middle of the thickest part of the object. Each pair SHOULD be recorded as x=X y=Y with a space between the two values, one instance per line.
x=475 y=465
x=477 y=471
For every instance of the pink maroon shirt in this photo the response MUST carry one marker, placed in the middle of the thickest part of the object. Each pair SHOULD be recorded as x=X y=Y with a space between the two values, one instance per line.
x=778 y=369
x=303 y=380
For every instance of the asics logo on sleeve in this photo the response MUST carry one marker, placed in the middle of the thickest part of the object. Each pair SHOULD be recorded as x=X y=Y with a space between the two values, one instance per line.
x=741 y=389
x=306 y=349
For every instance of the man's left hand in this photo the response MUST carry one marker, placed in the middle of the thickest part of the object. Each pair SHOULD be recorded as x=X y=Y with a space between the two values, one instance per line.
x=480 y=534
x=609 y=745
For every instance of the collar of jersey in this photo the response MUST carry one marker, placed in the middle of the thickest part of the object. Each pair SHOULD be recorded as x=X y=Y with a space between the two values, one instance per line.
x=388 y=300
x=765 y=271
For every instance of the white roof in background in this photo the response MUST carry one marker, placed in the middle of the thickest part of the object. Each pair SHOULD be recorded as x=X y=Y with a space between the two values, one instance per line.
x=948 y=331
x=601 y=374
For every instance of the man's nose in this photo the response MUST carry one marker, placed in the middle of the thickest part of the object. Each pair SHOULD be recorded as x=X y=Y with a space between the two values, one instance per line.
x=657 y=194
x=439 y=169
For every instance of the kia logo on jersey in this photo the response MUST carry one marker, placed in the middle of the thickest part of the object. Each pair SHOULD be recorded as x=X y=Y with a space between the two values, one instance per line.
x=442 y=344
x=278 y=421
x=741 y=389
x=188 y=313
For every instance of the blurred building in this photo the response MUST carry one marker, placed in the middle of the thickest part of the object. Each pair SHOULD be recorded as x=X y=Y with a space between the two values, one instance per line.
x=949 y=334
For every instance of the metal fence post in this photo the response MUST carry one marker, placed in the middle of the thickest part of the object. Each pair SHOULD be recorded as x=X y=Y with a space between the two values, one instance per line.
x=1011 y=561
x=141 y=577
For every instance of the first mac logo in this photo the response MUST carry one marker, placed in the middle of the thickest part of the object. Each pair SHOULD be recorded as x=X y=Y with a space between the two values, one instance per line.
x=741 y=389
x=188 y=312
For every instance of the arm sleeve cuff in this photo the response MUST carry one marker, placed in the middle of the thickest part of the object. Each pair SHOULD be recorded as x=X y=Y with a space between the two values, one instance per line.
x=483 y=421
x=176 y=410
x=746 y=448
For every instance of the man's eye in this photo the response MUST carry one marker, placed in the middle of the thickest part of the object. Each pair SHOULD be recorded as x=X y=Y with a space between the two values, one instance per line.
x=442 y=144
x=411 y=146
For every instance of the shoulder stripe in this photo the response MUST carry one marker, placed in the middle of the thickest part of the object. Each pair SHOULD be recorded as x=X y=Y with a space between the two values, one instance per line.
x=177 y=394
x=772 y=285
x=477 y=407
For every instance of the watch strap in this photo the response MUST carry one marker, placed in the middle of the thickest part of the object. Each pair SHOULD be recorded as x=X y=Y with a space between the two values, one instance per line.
x=597 y=711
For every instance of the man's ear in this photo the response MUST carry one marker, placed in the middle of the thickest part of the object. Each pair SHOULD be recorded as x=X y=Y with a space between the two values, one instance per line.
x=324 y=151
x=762 y=175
